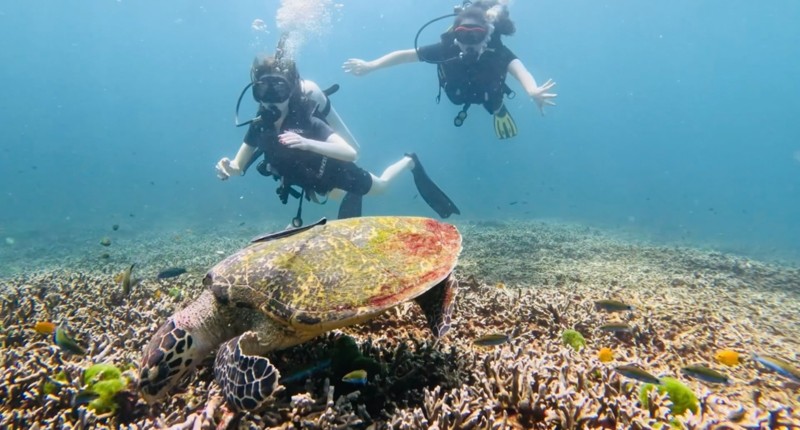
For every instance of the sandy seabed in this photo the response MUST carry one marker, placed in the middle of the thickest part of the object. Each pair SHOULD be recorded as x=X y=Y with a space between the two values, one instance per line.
x=529 y=280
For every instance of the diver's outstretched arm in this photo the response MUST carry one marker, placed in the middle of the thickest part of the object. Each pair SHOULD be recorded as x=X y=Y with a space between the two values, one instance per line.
x=539 y=94
x=360 y=67
x=227 y=167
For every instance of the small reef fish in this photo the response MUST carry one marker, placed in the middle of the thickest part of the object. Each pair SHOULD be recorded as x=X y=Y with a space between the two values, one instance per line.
x=115 y=227
x=356 y=377
x=493 y=339
x=737 y=415
x=705 y=374
x=126 y=280
x=84 y=397
x=44 y=327
x=105 y=241
x=605 y=355
x=305 y=373
x=612 y=306
x=783 y=368
x=637 y=373
x=728 y=357
x=67 y=343
x=171 y=272
x=616 y=328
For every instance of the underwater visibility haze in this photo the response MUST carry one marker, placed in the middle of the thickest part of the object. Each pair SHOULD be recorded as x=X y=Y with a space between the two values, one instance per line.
x=674 y=120
x=667 y=175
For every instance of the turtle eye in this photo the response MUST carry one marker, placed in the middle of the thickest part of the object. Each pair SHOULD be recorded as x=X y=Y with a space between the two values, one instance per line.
x=208 y=280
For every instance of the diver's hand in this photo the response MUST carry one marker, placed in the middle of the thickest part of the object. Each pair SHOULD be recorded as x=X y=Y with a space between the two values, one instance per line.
x=294 y=141
x=227 y=168
x=541 y=96
x=357 y=67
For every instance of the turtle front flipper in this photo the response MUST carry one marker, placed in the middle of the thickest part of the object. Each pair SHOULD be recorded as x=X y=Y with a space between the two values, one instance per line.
x=247 y=380
x=437 y=305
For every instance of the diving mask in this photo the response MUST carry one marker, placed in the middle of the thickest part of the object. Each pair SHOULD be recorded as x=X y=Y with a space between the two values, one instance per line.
x=470 y=34
x=272 y=89
x=471 y=40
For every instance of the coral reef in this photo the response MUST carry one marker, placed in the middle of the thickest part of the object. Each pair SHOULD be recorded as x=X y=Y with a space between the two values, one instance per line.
x=531 y=281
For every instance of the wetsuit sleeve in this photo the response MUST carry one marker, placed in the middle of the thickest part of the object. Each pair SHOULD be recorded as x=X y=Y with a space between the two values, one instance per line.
x=432 y=53
x=506 y=56
x=251 y=138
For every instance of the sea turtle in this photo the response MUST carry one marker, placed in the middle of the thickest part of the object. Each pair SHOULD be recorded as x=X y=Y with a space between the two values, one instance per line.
x=288 y=287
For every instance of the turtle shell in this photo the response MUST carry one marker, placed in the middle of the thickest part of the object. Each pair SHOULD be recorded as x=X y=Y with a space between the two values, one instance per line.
x=336 y=274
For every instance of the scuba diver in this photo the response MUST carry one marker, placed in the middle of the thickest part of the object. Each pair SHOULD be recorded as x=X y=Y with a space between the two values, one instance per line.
x=472 y=63
x=301 y=150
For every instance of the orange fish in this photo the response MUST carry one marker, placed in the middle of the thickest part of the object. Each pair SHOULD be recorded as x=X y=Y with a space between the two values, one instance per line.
x=727 y=357
x=605 y=355
x=44 y=327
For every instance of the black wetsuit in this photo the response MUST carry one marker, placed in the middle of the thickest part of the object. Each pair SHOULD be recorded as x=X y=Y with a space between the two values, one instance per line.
x=306 y=169
x=481 y=82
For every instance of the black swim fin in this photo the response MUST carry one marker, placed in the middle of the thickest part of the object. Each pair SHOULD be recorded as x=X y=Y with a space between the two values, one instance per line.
x=351 y=206
x=430 y=192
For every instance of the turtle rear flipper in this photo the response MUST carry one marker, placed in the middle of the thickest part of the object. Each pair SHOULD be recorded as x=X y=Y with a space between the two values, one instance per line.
x=247 y=381
x=437 y=305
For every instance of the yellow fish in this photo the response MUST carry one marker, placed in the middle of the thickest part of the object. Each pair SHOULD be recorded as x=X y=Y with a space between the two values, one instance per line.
x=727 y=357
x=126 y=280
x=356 y=377
x=44 y=327
x=605 y=355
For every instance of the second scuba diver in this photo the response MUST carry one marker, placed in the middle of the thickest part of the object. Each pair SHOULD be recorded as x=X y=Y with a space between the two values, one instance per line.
x=302 y=150
x=472 y=64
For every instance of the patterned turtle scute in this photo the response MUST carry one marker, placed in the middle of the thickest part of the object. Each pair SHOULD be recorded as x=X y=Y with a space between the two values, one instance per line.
x=340 y=271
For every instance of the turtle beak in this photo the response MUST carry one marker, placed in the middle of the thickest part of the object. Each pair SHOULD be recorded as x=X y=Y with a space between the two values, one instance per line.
x=161 y=365
x=169 y=355
x=179 y=345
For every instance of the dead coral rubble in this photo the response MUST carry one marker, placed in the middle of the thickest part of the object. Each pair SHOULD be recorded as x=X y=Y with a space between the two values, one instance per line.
x=530 y=281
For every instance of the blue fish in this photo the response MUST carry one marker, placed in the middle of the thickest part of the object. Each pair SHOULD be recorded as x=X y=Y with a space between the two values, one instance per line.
x=783 y=368
x=303 y=374
x=171 y=272
x=637 y=373
x=705 y=374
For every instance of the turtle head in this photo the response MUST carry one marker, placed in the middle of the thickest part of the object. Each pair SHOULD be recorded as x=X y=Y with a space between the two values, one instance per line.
x=169 y=355
x=180 y=344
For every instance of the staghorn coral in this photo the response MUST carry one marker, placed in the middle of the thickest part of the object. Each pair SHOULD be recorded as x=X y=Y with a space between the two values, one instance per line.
x=689 y=304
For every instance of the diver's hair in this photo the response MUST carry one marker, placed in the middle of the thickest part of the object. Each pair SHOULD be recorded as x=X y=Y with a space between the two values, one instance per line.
x=502 y=23
x=270 y=65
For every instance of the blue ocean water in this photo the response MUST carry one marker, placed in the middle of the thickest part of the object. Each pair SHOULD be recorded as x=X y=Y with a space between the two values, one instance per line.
x=675 y=120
